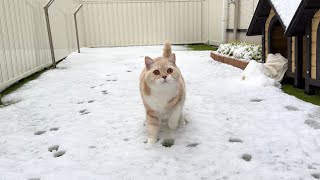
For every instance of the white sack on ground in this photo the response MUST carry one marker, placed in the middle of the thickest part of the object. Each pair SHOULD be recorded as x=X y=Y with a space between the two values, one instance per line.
x=269 y=73
x=276 y=66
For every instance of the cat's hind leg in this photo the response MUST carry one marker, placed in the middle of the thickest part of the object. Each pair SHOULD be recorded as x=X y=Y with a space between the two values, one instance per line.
x=174 y=118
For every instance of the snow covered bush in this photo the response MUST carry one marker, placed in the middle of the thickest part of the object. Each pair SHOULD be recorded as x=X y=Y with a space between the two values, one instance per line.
x=241 y=50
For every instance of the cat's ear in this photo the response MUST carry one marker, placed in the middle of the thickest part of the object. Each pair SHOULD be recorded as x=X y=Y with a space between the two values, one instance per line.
x=172 y=59
x=148 y=61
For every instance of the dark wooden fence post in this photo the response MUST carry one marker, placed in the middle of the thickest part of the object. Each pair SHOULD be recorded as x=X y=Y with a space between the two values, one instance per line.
x=298 y=62
x=308 y=88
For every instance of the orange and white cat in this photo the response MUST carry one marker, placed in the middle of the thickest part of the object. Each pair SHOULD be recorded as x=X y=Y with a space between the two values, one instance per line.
x=163 y=92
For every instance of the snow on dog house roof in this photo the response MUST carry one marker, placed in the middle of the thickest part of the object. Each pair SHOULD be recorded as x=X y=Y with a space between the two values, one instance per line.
x=284 y=9
x=302 y=17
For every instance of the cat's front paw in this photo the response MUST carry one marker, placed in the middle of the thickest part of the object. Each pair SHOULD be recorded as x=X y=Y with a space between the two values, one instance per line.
x=152 y=140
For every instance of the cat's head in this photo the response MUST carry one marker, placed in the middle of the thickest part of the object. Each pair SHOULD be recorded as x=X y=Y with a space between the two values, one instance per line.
x=161 y=71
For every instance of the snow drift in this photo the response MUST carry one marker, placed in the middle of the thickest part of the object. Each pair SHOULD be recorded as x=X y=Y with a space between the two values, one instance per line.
x=266 y=74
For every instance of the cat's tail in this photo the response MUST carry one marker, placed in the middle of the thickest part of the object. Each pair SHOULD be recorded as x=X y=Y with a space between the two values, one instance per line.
x=167 y=49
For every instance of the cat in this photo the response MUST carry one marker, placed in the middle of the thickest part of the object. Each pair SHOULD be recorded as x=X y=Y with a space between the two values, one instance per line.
x=163 y=92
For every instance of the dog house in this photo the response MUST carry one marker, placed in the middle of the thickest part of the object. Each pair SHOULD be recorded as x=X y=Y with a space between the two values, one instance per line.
x=291 y=28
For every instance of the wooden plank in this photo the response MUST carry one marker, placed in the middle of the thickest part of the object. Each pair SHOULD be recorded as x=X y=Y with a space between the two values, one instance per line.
x=268 y=21
x=313 y=72
x=314 y=36
x=272 y=12
x=289 y=40
x=298 y=81
x=315 y=18
x=315 y=23
x=307 y=57
x=313 y=60
x=293 y=65
x=304 y=56
x=313 y=49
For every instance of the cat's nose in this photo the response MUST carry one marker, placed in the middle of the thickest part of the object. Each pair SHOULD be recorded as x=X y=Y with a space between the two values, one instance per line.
x=164 y=77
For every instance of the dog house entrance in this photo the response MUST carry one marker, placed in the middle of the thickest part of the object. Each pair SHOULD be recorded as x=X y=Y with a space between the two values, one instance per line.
x=278 y=42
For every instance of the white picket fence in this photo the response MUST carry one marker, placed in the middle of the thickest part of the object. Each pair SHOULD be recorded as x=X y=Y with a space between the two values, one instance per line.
x=24 y=44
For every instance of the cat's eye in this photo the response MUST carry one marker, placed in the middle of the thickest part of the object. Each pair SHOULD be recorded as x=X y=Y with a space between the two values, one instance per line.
x=169 y=71
x=156 y=72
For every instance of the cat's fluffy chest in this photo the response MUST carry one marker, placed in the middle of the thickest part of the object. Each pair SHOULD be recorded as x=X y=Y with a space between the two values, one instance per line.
x=160 y=96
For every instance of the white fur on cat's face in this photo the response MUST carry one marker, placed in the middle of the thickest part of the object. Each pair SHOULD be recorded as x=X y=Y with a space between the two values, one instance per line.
x=157 y=79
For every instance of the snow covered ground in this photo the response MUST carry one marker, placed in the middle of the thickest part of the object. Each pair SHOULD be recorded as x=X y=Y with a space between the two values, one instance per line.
x=90 y=108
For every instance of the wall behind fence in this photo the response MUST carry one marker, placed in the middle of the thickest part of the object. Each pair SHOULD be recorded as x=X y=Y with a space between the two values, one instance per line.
x=246 y=11
x=24 y=45
x=62 y=27
x=148 y=22
x=145 y=22
x=212 y=12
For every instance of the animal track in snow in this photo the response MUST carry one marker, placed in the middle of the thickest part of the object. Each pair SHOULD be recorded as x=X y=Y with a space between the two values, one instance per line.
x=256 y=100
x=314 y=119
x=39 y=132
x=90 y=101
x=291 y=108
x=310 y=166
x=235 y=140
x=168 y=142
x=246 y=157
x=104 y=92
x=316 y=175
x=59 y=153
x=84 y=112
x=54 y=129
x=193 y=144
x=313 y=123
x=53 y=148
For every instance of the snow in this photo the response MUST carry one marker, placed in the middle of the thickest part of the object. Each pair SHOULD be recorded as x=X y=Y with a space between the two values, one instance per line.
x=269 y=73
x=254 y=73
x=286 y=9
x=92 y=105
